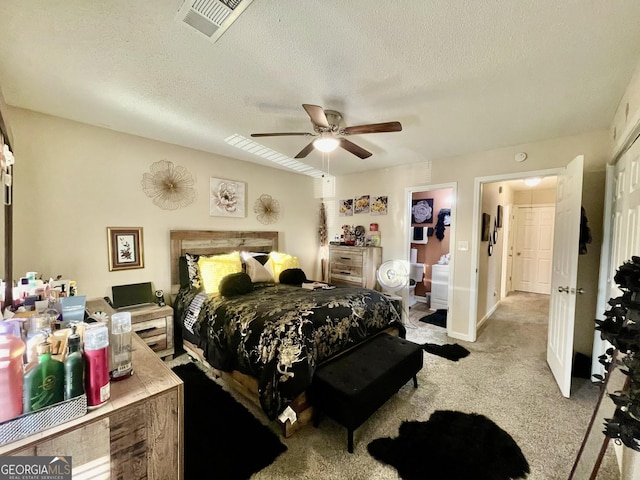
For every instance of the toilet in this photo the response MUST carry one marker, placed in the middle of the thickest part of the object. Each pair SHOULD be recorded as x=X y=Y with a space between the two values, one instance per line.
x=416 y=273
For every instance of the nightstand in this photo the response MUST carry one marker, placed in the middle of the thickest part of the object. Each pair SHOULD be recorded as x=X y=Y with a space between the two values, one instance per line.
x=153 y=324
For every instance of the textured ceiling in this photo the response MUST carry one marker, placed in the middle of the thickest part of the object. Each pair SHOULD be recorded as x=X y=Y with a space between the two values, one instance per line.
x=461 y=76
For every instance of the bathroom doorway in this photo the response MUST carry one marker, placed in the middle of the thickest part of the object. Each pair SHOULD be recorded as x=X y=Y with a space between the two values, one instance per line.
x=431 y=219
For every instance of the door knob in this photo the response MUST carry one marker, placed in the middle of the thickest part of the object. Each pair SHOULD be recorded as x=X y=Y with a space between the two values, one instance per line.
x=563 y=289
x=580 y=291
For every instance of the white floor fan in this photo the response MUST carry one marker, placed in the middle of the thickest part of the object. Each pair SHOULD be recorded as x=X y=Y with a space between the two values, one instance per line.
x=393 y=277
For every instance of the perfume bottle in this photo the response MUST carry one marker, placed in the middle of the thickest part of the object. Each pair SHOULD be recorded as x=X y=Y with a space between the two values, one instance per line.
x=120 y=346
x=11 y=377
x=44 y=384
x=73 y=367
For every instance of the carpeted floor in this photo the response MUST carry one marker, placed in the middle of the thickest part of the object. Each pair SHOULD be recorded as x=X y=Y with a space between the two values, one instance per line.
x=505 y=378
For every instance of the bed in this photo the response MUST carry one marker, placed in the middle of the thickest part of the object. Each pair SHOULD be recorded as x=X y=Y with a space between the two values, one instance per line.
x=268 y=341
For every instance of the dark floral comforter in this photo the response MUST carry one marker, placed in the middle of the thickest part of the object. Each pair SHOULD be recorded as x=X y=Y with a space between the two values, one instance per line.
x=279 y=334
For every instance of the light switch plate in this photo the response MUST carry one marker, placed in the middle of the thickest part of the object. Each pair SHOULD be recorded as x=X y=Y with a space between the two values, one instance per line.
x=463 y=245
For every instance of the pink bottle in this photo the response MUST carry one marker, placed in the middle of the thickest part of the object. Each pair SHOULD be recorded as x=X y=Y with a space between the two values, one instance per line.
x=96 y=367
x=11 y=372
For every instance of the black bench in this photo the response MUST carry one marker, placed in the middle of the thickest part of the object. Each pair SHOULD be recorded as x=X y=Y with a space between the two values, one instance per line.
x=352 y=387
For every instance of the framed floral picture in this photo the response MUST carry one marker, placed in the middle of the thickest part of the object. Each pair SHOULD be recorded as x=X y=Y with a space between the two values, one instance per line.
x=346 y=207
x=380 y=205
x=226 y=198
x=422 y=210
x=361 y=204
x=125 y=248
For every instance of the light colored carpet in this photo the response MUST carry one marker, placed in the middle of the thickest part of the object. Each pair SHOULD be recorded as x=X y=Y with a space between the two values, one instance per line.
x=505 y=378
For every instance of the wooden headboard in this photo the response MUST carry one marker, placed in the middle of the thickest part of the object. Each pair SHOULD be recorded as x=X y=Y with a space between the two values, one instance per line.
x=210 y=242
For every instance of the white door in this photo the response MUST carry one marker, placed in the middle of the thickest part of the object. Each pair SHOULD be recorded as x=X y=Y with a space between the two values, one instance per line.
x=562 y=306
x=534 y=249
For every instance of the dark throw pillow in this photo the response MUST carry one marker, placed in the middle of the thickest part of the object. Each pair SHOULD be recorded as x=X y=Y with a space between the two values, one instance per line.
x=235 y=284
x=293 y=276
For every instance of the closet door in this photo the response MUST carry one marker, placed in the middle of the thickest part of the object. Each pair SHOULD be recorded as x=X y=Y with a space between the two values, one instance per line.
x=625 y=213
x=533 y=249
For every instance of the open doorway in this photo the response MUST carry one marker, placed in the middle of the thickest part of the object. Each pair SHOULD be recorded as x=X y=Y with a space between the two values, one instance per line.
x=515 y=258
x=430 y=237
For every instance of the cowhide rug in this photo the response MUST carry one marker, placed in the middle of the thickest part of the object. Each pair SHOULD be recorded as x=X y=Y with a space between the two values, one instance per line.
x=452 y=446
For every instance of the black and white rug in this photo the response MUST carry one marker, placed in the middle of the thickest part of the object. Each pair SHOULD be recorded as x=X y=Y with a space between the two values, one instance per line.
x=222 y=439
x=453 y=446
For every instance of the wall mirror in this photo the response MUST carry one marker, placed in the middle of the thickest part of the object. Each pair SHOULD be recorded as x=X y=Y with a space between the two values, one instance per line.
x=6 y=224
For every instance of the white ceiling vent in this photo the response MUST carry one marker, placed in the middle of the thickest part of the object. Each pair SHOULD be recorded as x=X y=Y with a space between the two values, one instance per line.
x=211 y=17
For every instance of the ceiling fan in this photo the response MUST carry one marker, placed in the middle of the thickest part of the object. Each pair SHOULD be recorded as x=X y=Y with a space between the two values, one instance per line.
x=330 y=133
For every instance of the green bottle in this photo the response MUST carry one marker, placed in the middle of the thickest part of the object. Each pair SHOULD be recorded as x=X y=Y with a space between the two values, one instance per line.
x=44 y=384
x=73 y=367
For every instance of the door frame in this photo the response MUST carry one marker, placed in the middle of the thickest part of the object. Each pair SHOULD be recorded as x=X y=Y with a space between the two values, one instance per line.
x=406 y=223
x=475 y=238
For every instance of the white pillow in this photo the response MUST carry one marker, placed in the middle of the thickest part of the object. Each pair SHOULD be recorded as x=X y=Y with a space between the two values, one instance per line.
x=256 y=271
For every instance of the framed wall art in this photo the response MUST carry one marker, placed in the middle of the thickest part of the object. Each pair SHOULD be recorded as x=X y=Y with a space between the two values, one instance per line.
x=361 y=204
x=499 y=217
x=486 y=227
x=125 y=248
x=226 y=198
x=346 y=207
x=422 y=211
x=380 y=205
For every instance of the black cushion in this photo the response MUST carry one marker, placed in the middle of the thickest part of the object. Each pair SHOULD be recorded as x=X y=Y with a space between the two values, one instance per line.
x=292 y=276
x=235 y=284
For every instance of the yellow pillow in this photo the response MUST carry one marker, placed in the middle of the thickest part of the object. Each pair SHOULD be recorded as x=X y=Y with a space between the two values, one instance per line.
x=214 y=268
x=278 y=262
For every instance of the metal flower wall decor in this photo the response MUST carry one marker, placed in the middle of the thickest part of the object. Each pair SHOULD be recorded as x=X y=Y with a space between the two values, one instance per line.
x=267 y=209
x=170 y=186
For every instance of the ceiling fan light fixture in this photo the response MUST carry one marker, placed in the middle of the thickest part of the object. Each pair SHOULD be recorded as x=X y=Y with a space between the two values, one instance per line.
x=326 y=144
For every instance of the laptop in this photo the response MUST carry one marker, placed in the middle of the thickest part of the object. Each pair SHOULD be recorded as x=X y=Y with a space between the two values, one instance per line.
x=136 y=295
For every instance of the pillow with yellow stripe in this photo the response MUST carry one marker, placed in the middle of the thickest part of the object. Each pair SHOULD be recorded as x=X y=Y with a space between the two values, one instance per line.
x=215 y=267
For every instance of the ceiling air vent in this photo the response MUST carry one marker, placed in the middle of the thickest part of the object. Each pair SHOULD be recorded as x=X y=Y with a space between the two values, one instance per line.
x=211 y=17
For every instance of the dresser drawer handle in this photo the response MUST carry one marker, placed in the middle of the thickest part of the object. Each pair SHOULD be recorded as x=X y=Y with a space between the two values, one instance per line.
x=152 y=345
x=145 y=330
x=345 y=258
x=345 y=273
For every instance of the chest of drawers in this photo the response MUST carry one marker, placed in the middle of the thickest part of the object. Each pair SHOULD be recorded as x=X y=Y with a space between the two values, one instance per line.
x=354 y=265
x=153 y=324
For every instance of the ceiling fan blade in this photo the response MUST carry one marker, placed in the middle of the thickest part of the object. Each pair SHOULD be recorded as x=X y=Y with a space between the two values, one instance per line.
x=358 y=151
x=305 y=151
x=317 y=115
x=374 y=128
x=281 y=134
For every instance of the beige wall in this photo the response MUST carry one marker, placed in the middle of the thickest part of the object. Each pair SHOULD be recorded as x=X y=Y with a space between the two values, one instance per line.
x=593 y=186
x=73 y=180
x=462 y=171
x=535 y=196
x=490 y=266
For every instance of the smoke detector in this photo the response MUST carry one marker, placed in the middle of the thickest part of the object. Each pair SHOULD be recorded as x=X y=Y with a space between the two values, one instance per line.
x=211 y=17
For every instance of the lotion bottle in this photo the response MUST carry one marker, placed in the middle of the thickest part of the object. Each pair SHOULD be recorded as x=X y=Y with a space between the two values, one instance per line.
x=44 y=384
x=11 y=373
x=73 y=367
x=96 y=364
